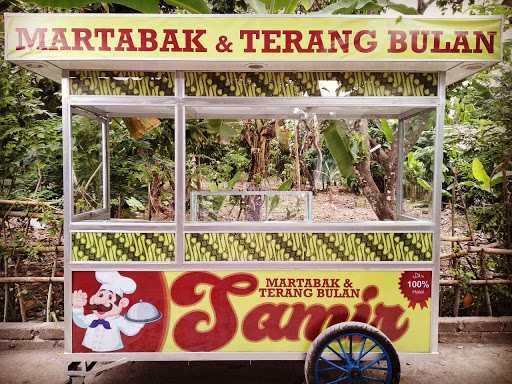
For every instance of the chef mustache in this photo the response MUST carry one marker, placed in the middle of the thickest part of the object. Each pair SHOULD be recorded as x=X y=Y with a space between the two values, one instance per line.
x=100 y=307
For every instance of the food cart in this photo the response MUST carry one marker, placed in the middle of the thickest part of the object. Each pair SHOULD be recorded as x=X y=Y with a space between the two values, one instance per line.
x=345 y=297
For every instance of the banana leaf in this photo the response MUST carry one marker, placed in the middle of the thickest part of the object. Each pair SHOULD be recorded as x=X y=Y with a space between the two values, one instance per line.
x=338 y=144
x=138 y=127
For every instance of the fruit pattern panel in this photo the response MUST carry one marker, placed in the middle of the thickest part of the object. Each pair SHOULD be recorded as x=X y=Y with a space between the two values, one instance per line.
x=240 y=247
x=293 y=84
x=256 y=84
x=122 y=83
x=232 y=247
x=122 y=246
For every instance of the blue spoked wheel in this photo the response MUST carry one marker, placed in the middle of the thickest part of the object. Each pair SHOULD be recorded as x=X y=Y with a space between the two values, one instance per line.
x=352 y=353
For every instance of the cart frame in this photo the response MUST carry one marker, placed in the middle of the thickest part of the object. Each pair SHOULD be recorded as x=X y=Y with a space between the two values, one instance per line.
x=180 y=227
x=178 y=106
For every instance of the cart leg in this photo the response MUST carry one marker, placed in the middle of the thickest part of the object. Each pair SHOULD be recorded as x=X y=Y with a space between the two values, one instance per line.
x=77 y=370
x=76 y=380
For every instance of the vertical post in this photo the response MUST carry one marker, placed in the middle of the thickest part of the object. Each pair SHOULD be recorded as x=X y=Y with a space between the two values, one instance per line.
x=179 y=161
x=193 y=206
x=105 y=161
x=400 y=171
x=436 y=208
x=265 y=205
x=309 y=196
x=483 y=275
x=67 y=163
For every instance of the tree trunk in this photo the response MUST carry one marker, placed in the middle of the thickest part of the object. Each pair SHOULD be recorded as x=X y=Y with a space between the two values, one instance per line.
x=257 y=134
x=296 y=155
x=320 y=160
x=382 y=202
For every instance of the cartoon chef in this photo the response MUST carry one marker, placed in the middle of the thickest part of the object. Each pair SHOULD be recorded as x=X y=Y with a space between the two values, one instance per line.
x=105 y=324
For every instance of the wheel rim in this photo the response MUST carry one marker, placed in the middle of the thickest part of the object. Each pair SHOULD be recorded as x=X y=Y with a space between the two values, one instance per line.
x=353 y=358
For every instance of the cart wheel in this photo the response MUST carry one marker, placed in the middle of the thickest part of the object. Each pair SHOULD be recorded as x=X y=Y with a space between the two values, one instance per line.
x=352 y=352
x=76 y=380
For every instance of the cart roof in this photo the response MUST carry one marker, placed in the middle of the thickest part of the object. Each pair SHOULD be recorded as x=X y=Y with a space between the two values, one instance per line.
x=50 y=43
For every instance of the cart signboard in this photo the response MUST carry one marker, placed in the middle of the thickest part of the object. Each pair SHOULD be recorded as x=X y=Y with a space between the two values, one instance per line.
x=279 y=311
x=250 y=38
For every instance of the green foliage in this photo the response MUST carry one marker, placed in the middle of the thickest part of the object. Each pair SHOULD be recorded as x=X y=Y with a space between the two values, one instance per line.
x=478 y=142
x=30 y=138
x=424 y=184
x=340 y=7
x=278 y=6
x=402 y=8
x=338 y=143
x=387 y=130
x=215 y=203
x=135 y=205
x=415 y=171
x=224 y=130
x=480 y=175
x=86 y=164
x=193 y=6
x=347 y=7
x=144 y=6
x=64 y=4
x=274 y=200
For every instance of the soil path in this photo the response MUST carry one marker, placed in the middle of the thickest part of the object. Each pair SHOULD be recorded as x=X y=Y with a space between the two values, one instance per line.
x=456 y=363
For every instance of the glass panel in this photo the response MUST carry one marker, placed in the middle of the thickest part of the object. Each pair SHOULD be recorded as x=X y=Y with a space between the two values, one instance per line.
x=142 y=168
x=269 y=84
x=121 y=83
x=251 y=206
x=87 y=165
x=418 y=165
x=342 y=170
x=241 y=171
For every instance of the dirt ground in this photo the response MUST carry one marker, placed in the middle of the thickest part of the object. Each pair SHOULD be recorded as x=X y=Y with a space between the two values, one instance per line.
x=462 y=363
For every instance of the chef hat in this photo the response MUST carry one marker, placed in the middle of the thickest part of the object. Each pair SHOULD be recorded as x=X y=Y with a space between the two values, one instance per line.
x=114 y=282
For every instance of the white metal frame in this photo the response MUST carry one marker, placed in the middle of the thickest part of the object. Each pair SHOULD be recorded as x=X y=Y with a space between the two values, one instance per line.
x=180 y=227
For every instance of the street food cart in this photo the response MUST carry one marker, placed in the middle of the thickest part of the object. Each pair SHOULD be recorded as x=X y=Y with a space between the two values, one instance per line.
x=346 y=297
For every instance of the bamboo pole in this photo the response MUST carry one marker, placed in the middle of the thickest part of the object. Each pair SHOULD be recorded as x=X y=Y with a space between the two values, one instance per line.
x=455 y=239
x=30 y=279
x=489 y=251
x=475 y=282
x=54 y=249
x=6 y=289
x=21 y=301
x=493 y=251
x=29 y=203
x=50 y=292
x=34 y=215
x=483 y=275
x=59 y=279
x=455 y=261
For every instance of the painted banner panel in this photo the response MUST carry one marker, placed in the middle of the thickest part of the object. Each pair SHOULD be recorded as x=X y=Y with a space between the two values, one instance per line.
x=122 y=246
x=250 y=38
x=275 y=311
x=282 y=246
x=292 y=84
